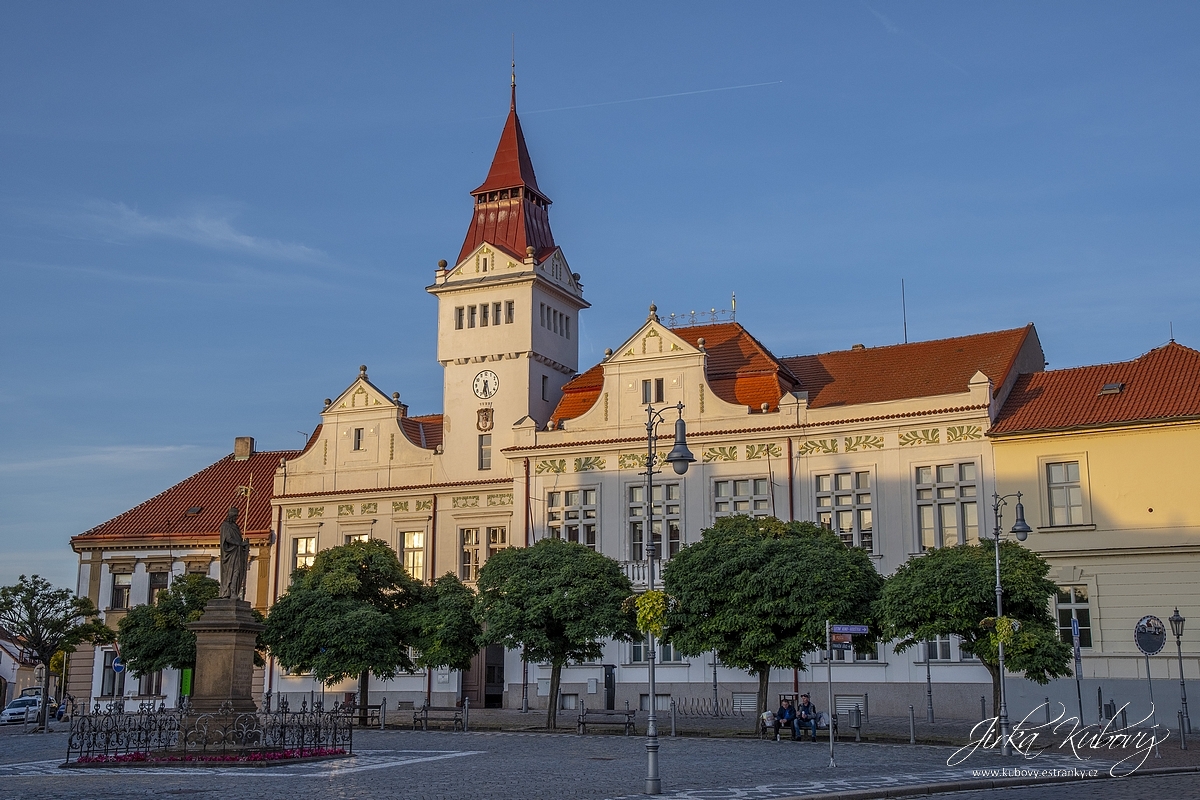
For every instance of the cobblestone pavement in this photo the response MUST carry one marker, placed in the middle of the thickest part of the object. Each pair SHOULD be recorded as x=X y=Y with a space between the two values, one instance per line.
x=528 y=765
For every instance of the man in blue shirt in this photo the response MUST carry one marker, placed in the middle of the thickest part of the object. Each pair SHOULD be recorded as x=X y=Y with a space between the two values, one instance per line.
x=786 y=715
x=805 y=717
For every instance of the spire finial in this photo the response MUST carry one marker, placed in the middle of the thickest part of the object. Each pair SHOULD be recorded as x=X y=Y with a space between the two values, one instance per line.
x=513 y=105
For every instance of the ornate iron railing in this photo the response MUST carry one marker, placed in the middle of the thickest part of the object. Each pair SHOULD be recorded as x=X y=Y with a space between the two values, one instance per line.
x=113 y=735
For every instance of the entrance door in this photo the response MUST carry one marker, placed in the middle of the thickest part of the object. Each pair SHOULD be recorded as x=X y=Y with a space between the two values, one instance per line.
x=493 y=688
x=472 y=679
x=610 y=687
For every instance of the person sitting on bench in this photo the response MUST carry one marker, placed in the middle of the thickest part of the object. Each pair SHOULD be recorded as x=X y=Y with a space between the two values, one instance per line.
x=806 y=717
x=785 y=717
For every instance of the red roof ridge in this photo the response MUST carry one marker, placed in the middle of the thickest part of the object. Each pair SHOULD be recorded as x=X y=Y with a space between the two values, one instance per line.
x=879 y=347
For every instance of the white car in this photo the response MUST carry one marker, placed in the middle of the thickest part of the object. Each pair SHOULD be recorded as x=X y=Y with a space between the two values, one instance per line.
x=15 y=711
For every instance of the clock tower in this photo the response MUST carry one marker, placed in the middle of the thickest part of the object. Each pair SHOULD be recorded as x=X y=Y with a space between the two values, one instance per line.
x=508 y=316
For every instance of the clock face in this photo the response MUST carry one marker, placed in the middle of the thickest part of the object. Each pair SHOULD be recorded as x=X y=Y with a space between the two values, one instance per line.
x=485 y=385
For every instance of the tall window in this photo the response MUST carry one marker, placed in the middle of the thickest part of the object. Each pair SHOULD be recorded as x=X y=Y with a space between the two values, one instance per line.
x=485 y=451
x=510 y=312
x=120 y=591
x=470 y=554
x=566 y=326
x=159 y=581
x=497 y=539
x=571 y=515
x=458 y=318
x=358 y=438
x=545 y=387
x=1072 y=603
x=844 y=505
x=414 y=554
x=495 y=313
x=484 y=314
x=471 y=316
x=304 y=550
x=542 y=314
x=150 y=684
x=947 y=513
x=1066 y=496
x=112 y=683
x=745 y=496
x=639 y=651
x=666 y=504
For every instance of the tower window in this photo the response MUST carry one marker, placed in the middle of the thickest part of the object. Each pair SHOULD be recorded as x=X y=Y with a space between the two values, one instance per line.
x=358 y=439
x=485 y=263
x=545 y=387
x=567 y=326
x=510 y=312
x=459 y=313
x=543 y=314
x=470 y=316
x=485 y=451
x=495 y=313
x=483 y=315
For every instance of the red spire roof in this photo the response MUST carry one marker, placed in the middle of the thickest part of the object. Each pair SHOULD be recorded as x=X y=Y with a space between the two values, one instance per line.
x=510 y=209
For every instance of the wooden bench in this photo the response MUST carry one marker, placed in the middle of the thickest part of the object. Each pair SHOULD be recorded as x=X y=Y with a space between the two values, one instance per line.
x=457 y=717
x=823 y=720
x=598 y=716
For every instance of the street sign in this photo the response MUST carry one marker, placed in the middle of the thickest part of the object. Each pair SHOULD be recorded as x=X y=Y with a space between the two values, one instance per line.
x=118 y=666
x=851 y=629
x=1150 y=634
x=843 y=646
x=843 y=637
x=1075 y=628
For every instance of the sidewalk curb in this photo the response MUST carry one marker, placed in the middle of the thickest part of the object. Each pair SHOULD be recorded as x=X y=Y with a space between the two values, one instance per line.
x=918 y=790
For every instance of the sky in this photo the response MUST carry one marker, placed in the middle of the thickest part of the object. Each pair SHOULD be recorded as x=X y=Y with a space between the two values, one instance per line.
x=212 y=213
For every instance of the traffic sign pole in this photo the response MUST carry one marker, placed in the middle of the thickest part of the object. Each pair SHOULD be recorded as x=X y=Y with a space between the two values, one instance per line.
x=1078 y=670
x=1150 y=635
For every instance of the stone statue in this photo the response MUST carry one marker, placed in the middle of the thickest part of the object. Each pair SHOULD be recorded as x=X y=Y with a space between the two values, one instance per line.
x=235 y=558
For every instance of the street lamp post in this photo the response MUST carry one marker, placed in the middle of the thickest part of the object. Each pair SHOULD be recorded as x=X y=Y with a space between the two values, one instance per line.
x=1177 y=628
x=679 y=458
x=1021 y=529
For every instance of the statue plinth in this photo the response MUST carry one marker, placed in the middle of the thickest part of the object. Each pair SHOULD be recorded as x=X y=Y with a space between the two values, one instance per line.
x=225 y=637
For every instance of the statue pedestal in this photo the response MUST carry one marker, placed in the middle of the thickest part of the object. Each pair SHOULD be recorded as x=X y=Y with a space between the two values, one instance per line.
x=225 y=637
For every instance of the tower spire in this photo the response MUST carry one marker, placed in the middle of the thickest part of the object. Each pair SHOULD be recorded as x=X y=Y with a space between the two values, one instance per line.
x=513 y=105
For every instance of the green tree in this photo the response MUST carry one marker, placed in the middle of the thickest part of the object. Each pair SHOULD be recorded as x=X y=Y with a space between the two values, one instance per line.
x=354 y=612
x=558 y=600
x=46 y=620
x=153 y=637
x=447 y=632
x=951 y=592
x=759 y=591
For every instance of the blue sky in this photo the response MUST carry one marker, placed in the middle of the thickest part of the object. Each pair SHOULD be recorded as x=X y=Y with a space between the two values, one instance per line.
x=211 y=214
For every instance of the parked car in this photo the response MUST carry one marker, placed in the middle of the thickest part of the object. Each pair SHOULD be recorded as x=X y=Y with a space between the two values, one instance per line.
x=16 y=710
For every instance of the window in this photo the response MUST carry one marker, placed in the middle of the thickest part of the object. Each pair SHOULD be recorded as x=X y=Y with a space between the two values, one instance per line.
x=510 y=312
x=571 y=515
x=938 y=648
x=484 y=313
x=495 y=313
x=497 y=539
x=567 y=326
x=304 y=550
x=458 y=318
x=112 y=683
x=351 y=538
x=120 y=591
x=639 y=652
x=568 y=702
x=652 y=391
x=358 y=439
x=1066 y=496
x=485 y=451
x=150 y=684
x=471 y=316
x=947 y=513
x=545 y=387
x=1072 y=602
x=470 y=554
x=159 y=581
x=543 y=314
x=414 y=554
x=744 y=496
x=845 y=506
x=666 y=504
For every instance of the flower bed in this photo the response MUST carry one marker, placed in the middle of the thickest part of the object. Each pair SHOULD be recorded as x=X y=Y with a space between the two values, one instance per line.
x=253 y=757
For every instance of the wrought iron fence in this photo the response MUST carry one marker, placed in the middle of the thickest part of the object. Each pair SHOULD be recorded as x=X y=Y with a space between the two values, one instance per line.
x=113 y=735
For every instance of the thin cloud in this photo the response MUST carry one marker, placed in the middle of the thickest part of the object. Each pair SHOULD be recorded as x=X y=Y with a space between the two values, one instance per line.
x=896 y=30
x=201 y=228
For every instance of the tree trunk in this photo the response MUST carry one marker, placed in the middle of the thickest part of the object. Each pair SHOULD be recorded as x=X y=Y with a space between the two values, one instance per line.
x=994 y=671
x=364 y=682
x=764 y=679
x=552 y=711
x=44 y=714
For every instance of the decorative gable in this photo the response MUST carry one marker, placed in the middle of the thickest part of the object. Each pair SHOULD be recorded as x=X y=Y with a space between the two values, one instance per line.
x=362 y=395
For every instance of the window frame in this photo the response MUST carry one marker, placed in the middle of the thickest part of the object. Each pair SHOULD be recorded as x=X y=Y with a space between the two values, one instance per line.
x=936 y=502
x=416 y=551
x=559 y=508
x=671 y=523
x=752 y=499
x=1092 y=628
x=855 y=508
x=122 y=581
x=485 y=451
x=1044 y=463
x=307 y=555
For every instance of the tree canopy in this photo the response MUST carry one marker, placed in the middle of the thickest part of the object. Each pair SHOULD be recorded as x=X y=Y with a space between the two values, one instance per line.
x=558 y=600
x=448 y=633
x=759 y=591
x=951 y=592
x=47 y=620
x=154 y=636
x=352 y=613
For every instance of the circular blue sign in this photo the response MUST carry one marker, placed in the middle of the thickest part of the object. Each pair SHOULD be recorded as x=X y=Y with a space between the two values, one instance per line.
x=118 y=666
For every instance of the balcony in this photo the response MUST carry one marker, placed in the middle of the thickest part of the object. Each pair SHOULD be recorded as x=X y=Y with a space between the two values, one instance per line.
x=636 y=572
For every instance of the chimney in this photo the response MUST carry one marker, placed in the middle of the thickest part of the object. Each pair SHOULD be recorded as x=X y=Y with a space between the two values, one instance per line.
x=243 y=448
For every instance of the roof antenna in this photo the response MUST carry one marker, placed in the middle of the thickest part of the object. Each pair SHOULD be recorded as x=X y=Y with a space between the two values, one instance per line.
x=733 y=306
x=513 y=104
x=1171 y=326
x=904 y=310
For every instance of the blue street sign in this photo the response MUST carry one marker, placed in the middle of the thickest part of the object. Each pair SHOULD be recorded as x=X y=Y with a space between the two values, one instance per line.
x=118 y=666
x=851 y=629
x=1075 y=627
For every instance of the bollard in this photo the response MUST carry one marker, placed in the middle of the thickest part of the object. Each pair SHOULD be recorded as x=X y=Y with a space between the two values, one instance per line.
x=982 y=708
x=382 y=713
x=856 y=721
x=1182 y=740
x=466 y=713
x=866 y=708
x=672 y=717
x=1048 y=711
x=912 y=726
x=1124 y=720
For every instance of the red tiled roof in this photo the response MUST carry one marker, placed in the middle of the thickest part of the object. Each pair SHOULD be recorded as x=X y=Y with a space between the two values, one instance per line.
x=903 y=371
x=213 y=490
x=1160 y=385
x=424 y=431
x=579 y=394
x=511 y=220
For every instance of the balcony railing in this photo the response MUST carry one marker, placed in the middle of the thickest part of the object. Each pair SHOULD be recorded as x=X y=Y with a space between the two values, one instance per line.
x=636 y=572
